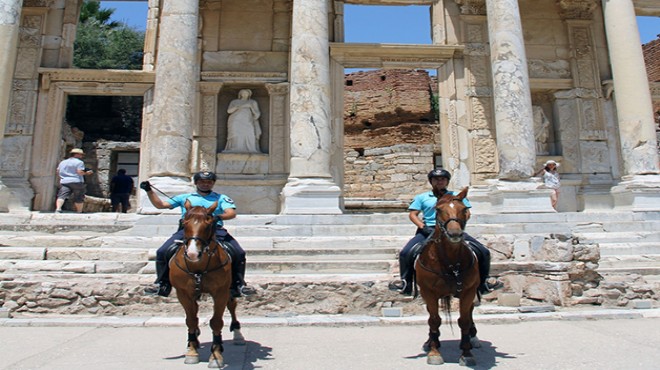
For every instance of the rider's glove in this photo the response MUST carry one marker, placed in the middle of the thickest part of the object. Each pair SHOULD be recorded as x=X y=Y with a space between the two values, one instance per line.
x=145 y=185
x=428 y=230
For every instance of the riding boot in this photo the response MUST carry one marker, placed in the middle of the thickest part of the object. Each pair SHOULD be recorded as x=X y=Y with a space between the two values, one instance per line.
x=163 y=287
x=238 y=286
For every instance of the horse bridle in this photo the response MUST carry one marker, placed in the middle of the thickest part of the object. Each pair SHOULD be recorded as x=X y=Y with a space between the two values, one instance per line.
x=206 y=242
x=443 y=226
x=455 y=270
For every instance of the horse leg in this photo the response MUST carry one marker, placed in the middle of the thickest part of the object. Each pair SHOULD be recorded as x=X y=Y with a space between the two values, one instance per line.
x=235 y=326
x=476 y=343
x=432 y=345
x=192 y=322
x=466 y=324
x=219 y=303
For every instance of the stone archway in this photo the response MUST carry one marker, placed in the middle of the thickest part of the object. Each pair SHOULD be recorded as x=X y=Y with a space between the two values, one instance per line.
x=56 y=85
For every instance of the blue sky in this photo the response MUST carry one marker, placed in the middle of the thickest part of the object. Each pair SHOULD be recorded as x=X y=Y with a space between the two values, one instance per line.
x=365 y=23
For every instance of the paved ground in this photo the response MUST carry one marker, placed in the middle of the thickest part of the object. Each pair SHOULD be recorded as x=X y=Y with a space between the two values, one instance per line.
x=601 y=339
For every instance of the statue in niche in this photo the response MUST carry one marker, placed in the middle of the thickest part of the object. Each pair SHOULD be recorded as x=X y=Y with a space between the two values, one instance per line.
x=541 y=130
x=243 y=129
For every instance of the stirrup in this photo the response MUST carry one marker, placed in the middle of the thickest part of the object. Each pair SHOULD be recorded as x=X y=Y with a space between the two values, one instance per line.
x=401 y=286
x=490 y=285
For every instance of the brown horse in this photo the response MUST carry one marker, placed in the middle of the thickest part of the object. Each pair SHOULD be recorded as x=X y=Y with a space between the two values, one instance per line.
x=447 y=268
x=202 y=265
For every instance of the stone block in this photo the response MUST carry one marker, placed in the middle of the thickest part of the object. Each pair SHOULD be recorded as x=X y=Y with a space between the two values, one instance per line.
x=642 y=304
x=392 y=312
x=509 y=299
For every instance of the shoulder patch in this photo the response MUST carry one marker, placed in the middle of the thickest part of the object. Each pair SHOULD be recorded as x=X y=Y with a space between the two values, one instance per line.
x=229 y=200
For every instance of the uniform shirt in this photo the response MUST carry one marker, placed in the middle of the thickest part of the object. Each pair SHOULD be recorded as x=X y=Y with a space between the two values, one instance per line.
x=426 y=202
x=67 y=170
x=196 y=199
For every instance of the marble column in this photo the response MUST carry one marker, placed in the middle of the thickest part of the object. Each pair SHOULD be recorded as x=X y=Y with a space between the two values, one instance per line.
x=640 y=186
x=310 y=189
x=513 y=191
x=10 y=19
x=169 y=133
x=511 y=91
x=631 y=89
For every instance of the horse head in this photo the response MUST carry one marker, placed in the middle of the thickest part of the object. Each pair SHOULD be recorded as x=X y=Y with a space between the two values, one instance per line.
x=451 y=215
x=198 y=229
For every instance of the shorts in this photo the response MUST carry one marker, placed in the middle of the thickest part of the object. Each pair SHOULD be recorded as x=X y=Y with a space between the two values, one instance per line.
x=75 y=188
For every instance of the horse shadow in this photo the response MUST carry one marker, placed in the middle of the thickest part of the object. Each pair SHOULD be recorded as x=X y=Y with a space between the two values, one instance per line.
x=236 y=357
x=486 y=356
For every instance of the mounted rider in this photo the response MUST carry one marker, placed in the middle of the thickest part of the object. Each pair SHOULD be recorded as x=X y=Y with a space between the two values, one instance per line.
x=226 y=210
x=425 y=203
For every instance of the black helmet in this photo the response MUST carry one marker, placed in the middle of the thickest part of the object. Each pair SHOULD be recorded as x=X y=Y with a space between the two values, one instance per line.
x=439 y=173
x=204 y=175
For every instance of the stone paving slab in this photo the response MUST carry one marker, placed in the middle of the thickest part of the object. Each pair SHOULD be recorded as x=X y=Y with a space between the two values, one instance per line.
x=490 y=315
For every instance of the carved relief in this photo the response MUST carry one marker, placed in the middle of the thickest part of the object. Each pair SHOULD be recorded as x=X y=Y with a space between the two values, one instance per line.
x=542 y=127
x=577 y=9
x=582 y=43
x=549 y=68
x=13 y=161
x=473 y=7
x=481 y=113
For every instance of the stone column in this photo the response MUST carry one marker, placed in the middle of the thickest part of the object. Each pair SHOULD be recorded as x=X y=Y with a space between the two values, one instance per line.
x=640 y=188
x=514 y=125
x=310 y=189
x=10 y=19
x=169 y=134
x=511 y=91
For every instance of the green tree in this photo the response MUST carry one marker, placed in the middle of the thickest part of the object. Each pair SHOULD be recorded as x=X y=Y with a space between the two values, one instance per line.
x=105 y=44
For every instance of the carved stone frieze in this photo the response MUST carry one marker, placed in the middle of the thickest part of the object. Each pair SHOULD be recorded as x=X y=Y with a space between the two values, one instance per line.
x=472 y=7
x=577 y=9
x=38 y=3
x=549 y=68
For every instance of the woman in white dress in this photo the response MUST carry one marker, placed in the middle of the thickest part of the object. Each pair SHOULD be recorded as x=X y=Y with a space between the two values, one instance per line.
x=551 y=180
x=243 y=129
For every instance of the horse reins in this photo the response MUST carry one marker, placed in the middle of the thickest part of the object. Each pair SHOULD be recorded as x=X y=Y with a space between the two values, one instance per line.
x=206 y=243
x=455 y=271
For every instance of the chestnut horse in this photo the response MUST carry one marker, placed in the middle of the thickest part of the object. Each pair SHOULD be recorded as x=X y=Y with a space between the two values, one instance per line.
x=202 y=265
x=448 y=268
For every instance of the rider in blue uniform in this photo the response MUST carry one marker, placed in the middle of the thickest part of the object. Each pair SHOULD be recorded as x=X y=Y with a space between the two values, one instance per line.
x=226 y=210
x=424 y=204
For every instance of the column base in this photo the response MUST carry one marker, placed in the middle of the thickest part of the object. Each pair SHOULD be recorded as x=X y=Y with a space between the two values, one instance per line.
x=310 y=197
x=171 y=186
x=511 y=197
x=637 y=193
x=16 y=197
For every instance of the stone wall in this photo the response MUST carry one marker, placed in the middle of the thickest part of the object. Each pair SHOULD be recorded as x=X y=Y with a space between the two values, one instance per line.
x=391 y=133
x=394 y=172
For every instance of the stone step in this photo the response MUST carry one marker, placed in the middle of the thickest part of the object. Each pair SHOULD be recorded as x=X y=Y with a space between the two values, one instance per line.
x=620 y=237
x=628 y=248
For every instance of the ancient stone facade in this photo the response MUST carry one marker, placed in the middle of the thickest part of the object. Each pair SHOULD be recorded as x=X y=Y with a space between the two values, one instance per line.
x=575 y=65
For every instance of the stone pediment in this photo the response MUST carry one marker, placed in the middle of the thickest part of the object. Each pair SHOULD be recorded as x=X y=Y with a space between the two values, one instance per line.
x=357 y=55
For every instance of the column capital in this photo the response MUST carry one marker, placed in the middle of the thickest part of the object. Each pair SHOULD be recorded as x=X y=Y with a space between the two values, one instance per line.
x=472 y=7
x=577 y=9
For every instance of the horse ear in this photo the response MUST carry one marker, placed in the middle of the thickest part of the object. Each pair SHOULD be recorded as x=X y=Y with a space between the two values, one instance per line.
x=187 y=205
x=463 y=192
x=212 y=208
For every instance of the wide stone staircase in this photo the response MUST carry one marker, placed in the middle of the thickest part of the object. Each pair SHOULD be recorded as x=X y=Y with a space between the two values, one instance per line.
x=99 y=263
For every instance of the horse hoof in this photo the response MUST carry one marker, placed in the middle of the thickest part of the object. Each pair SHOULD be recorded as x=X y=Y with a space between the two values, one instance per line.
x=474 y=341
x=435 y=360
x=239 y=340
x=191 y=360
x=467 y=361
x=216 y=364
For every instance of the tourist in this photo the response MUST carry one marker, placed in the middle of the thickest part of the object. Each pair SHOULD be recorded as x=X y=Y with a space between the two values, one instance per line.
x=551 y=180
x=121 y=187
x=72 y=182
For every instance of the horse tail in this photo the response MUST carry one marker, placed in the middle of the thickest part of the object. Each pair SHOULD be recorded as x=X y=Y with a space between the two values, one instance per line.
x=446 y=308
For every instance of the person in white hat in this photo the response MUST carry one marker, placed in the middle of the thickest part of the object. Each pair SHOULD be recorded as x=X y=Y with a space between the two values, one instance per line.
x=72 y=182
x=551 y=180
